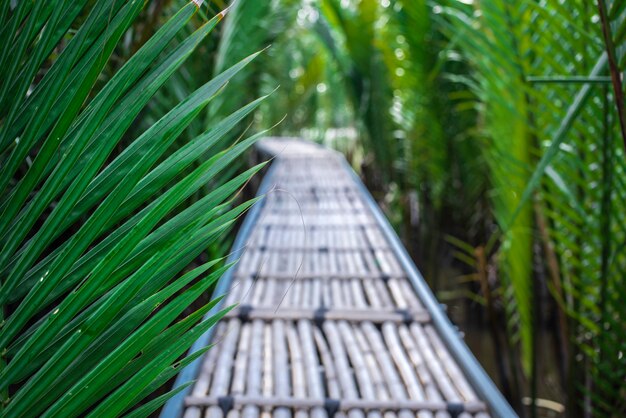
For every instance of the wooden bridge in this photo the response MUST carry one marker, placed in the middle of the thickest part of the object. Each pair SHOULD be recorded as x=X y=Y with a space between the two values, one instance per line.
x=333 y=318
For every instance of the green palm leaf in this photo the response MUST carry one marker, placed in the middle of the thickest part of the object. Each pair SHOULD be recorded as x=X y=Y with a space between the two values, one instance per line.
x=95 y=228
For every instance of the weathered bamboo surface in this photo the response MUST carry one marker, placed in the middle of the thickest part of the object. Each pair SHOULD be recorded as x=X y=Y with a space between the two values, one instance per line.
x=327 y=322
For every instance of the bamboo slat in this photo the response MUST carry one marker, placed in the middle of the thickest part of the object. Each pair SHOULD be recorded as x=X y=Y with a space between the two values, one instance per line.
x=297 y=368
x=281 y=370
x=268 y=366
x=255 y=369
x=312 y=366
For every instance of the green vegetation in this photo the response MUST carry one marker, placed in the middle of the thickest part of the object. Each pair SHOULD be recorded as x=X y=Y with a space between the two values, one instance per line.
x=492 y=132
x=103 y=215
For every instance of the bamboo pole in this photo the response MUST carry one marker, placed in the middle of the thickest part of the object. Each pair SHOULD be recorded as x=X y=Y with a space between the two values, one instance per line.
x=224 y=365
x=344 y=372
x=281 y=370
x=268 y=376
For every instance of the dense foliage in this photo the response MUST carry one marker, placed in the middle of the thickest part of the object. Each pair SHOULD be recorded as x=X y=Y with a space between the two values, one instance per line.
x=102 y=213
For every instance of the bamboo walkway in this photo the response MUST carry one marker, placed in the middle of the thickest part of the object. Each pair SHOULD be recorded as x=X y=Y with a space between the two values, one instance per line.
x=332 y=318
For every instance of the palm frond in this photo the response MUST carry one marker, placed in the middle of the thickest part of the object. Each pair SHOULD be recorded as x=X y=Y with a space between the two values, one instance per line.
x=96 y=232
